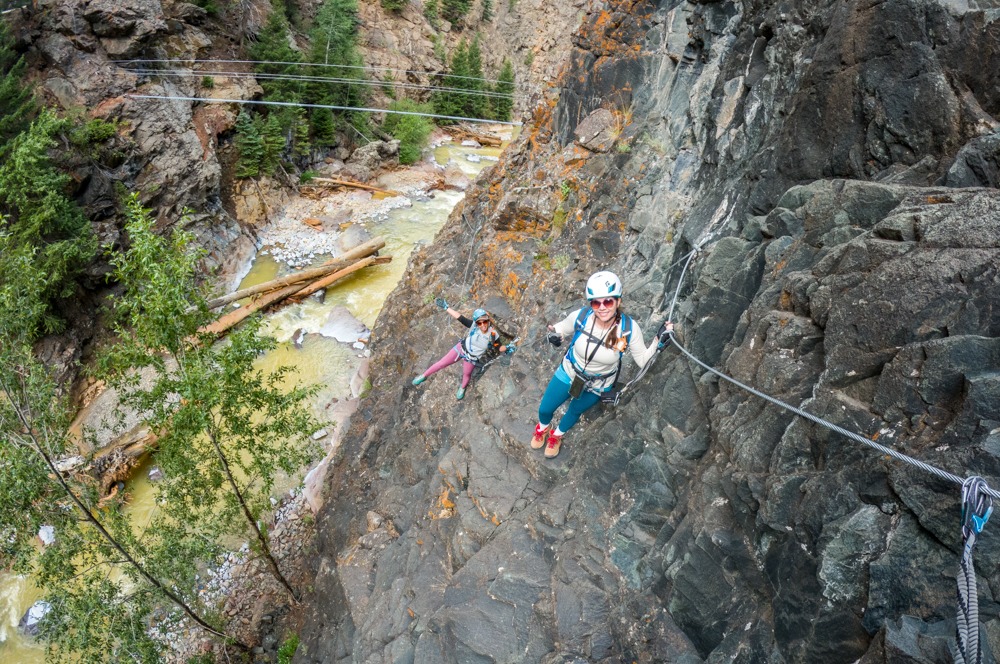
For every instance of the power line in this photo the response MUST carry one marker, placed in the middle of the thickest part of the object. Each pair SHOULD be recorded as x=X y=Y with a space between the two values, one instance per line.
x=320 y=79
x=210 y=100
x=312 y=64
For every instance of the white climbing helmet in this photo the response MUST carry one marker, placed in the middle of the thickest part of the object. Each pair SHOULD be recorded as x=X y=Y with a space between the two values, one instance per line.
x=604 y=284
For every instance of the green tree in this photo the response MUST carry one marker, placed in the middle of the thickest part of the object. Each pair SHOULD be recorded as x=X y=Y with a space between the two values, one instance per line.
x=450 y=99
x=475 y=104
x=225 y=429
x=395 y=5
x=333 y=41
x=91 y=618
x=39 y=215
x=323 y=127
x=17 y=105
x=250 y=145
x=301 y=145
x=503 y=104
x=411 y=130
x=273 y=47
x=273 y=138
x=452 y=10
x=431 y=12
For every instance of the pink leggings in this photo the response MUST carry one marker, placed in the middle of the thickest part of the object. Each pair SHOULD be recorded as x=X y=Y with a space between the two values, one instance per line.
x=450 y=358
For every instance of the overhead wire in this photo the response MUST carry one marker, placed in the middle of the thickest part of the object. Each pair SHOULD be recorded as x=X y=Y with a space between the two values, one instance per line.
x=311 y=64
x=322 y=79
x=211 y=100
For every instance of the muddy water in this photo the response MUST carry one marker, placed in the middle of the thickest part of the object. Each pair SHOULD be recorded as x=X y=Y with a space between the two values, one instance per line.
x=315 y=360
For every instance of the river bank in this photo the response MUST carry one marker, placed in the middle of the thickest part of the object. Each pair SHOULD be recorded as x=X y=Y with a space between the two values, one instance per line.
x=250 y=601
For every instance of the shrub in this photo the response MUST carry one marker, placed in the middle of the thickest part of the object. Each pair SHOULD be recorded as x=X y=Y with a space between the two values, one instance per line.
x=411 y=130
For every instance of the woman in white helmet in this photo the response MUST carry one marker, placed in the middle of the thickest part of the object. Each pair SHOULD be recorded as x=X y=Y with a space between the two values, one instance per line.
x=601 y=334
x=470 y=348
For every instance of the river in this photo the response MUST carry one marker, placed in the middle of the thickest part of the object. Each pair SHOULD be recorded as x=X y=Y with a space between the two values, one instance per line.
x=315 y=360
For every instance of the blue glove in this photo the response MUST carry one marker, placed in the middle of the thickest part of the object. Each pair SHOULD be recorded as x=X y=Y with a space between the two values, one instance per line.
x=511 y=348
x=441 y=302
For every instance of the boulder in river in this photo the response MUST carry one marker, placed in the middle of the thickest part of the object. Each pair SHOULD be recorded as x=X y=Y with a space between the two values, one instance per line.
x=343 y=326
x=31 y=619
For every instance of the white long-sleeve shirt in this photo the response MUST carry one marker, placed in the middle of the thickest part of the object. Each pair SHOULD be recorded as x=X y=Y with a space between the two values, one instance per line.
x=604 y=360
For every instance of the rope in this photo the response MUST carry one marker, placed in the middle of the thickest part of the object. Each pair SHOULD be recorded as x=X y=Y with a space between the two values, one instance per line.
x=977 y=503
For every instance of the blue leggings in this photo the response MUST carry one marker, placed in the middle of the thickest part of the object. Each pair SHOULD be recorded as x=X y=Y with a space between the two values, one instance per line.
x=555 y=395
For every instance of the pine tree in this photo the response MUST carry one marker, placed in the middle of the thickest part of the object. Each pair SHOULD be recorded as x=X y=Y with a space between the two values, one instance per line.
x=451 y=100
x=487 y=11
x=38 y=214
x=476 y=105
x=504 y=105
x=301 y=146
x=452 y=10
x=273 y=46
x=273 y=137
x=17 y=105
x=250 y=145
x=431 y=12
x=333 y=40
x=323 y=128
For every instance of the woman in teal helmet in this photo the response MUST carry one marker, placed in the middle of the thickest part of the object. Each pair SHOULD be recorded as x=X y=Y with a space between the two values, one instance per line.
x=481 y=336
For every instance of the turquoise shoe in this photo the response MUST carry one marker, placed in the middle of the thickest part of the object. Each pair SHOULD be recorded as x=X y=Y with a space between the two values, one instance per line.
x=460 y=393
x=419 y=379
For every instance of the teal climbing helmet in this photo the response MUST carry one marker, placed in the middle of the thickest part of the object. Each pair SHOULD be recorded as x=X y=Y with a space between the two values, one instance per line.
x=479 y=314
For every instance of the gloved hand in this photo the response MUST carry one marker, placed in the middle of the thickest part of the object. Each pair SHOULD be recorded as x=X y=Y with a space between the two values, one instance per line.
x=441 y=302
x=511 y=348
x=554 y=338
x=663 y=334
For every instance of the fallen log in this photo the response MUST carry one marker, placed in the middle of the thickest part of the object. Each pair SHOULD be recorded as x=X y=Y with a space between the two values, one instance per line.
x=332 y=265
x=235 y=317
x=340 y=274
x=330 y=182
x=463 y=134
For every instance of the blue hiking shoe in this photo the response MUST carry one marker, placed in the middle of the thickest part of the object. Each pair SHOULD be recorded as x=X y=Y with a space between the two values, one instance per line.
x=460 y=393
x=419 y=379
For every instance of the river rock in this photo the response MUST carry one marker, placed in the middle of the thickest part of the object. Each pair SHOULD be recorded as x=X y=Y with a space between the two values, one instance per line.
x=47 y=534
x=29 y=623
x=343 y=326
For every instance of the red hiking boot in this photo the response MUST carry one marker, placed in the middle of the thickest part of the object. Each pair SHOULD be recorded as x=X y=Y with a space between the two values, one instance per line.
x=552 y=446
x=538 y=440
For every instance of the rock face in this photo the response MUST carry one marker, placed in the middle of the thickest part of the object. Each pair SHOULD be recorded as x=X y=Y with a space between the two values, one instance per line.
x=833 y=162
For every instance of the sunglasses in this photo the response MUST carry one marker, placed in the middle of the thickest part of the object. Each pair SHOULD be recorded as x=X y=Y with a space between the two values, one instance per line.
x=483 y=322
x=606 y=303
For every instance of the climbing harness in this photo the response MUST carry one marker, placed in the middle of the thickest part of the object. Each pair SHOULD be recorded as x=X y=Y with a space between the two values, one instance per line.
x=977 y=503
x=579 y=328
x=491 y=355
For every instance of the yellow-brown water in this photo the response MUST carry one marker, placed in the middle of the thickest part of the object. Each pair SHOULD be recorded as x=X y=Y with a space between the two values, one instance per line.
x=318 y=361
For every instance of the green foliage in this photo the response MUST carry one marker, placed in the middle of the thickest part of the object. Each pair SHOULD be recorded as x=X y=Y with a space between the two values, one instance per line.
x=225 y=428
x=487 y=11
x=273 y=139
x=529 y=58
x=92 y=132
x=301 y=145
x=287 y=649
x=439 y=49
x=207 y=82
x=503 y=104
x=250 y=144
x=211 y=7
x=463 y=92
x=432 y=13
x=394 y=5
x=333 y=41
x=17 y=105
x=273 y=46
x=411 y=130
x=323 y=127
x=39 y=218
x=453 y=10
x=307 y=176
x=474 y=104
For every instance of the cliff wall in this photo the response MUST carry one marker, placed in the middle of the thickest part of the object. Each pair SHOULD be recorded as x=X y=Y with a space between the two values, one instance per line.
x=836 y=165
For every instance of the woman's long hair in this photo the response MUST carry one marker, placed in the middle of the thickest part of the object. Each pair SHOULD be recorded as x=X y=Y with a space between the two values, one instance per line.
x=612 y=339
